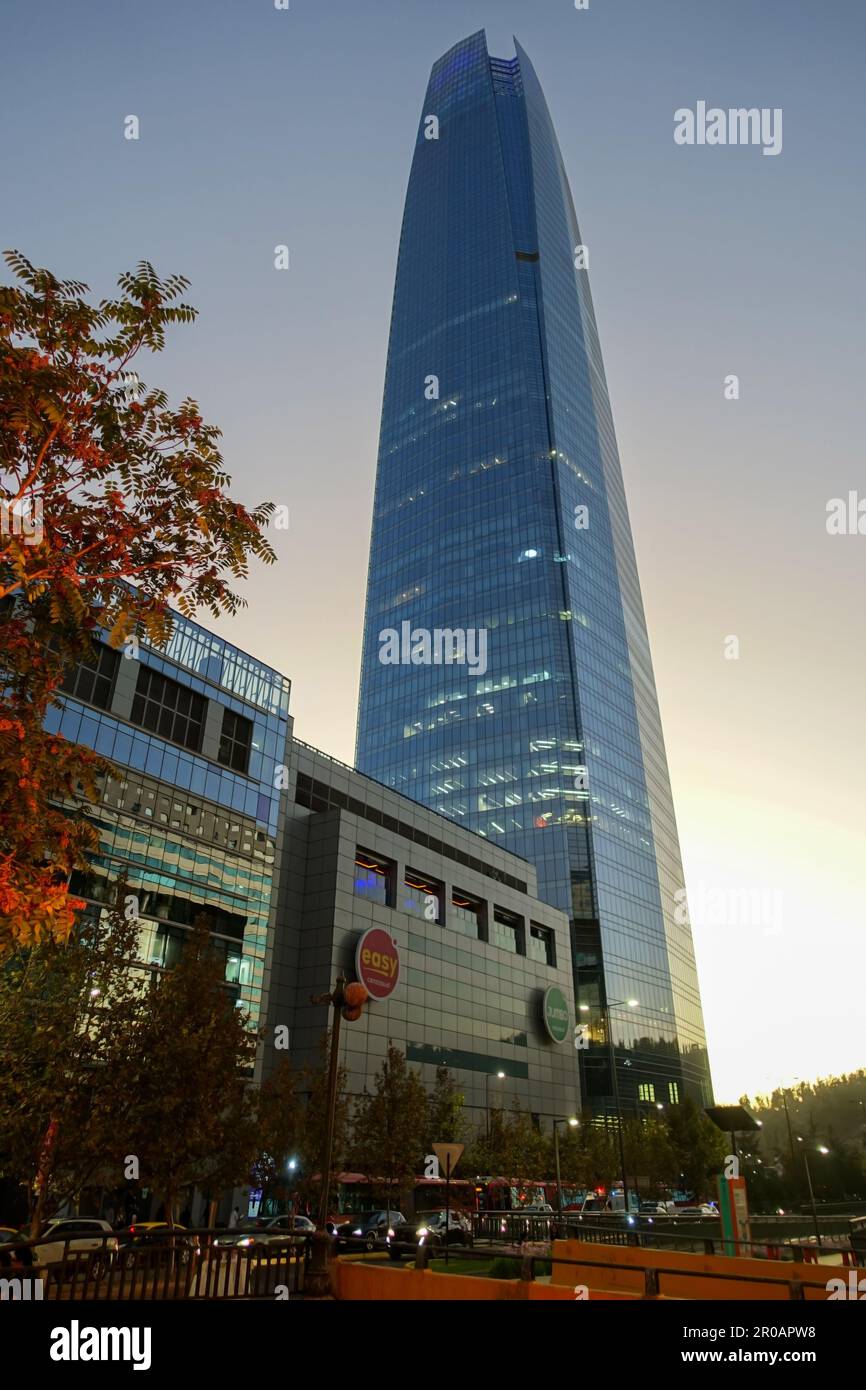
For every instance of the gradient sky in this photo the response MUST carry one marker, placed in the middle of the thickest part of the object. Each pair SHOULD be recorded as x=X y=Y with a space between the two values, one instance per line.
x=261 y=127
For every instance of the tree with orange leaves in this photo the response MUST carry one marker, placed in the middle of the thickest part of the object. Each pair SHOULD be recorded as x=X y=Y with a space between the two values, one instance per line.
x=113 y=511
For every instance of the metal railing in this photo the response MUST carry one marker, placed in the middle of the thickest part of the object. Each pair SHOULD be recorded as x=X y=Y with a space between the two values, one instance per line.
x=189 y=1264
x=781 y=1238
x=529 y=1265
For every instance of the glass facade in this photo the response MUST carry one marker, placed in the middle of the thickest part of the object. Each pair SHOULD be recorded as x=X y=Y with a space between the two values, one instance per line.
x=190 y=836
x=500 y=510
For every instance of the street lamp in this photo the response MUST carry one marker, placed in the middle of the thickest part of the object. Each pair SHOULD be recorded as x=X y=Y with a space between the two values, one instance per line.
x=500 y=1076
x=631 y=1004
x=821 y=1149
x=557 y=1121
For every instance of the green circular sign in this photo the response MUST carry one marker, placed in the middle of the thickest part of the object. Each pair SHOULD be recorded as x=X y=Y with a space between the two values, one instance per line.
x=556 y=1019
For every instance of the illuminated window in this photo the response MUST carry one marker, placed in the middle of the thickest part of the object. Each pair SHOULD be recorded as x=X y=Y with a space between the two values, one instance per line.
x=374 y=878
x=674 y=1092
x=646 y=1091
x=423 y=896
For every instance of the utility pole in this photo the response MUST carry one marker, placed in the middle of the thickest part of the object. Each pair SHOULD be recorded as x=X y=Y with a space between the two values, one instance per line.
x=347 y=1002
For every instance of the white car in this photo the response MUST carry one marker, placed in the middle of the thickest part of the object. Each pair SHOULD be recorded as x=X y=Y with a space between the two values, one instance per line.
x=67 y=1236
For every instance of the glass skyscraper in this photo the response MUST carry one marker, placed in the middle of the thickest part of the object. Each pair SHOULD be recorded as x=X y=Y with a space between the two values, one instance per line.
x=506 y=679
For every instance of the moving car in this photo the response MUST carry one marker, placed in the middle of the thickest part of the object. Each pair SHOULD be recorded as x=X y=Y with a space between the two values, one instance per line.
x=156 y=1239
x=368 y=1232
x=67 y=1237
x=430 y=1230
x=279 y=1230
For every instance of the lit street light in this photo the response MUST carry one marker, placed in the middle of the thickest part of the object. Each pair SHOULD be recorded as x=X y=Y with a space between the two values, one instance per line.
x=500 y=1076
x=573 y=1122
x=821 y=1149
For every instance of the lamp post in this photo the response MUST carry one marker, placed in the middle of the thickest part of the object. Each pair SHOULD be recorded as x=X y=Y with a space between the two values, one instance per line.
x=821 y=1149
x=631 y=1004
x=500 y=1076
x=557 y=1121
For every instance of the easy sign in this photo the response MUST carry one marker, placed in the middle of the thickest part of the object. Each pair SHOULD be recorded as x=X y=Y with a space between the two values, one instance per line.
x=377 y=963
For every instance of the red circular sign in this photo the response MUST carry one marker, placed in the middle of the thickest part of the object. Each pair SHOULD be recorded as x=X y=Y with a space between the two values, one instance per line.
x=377 y=962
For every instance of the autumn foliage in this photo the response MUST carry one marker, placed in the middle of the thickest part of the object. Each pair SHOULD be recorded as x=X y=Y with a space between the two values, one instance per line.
x=113 y=511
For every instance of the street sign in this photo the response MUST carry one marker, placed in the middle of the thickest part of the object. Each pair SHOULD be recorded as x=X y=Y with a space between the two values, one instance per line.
x=449 y=1155
x=377 y=963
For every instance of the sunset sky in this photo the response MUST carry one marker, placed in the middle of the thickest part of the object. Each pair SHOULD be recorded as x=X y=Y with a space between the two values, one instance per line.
x=260 y=127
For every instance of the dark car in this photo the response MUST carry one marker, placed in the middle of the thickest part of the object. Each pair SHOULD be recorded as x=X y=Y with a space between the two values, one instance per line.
x=430 y=1230
x=368 y=1232
x=149 y=1243
x=278 y=1231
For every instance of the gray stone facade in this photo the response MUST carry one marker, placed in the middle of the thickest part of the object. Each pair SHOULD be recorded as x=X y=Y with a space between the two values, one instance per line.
x=463 y=1001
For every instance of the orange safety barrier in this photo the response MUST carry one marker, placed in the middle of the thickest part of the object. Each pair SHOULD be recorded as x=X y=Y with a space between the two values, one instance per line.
x=369 y=1282
x=675 y=1274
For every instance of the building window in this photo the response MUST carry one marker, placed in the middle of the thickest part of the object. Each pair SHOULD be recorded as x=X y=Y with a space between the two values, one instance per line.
x=673 y=1092
x=92 y=680
x=374 y=878
x=646 y=1091
x=422 y=896
x=168 y=709
x=468 y=914
x=507 y=932
x=235 y=741
x=541 y=946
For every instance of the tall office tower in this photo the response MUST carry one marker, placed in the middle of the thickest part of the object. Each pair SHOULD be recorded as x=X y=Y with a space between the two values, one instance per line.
x=500 y=513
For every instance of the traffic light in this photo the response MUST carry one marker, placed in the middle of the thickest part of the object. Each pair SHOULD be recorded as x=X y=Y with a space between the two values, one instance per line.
x=355 y=997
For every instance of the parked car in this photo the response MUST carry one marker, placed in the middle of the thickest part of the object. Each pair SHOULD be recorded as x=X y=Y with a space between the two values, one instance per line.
x=699 y=1209
x=8 y=1255
x=279 y=1230
x=68 y=1236
x=650 y=1209
x=156 y=1238
x=368 y=1232
x=430 y=1230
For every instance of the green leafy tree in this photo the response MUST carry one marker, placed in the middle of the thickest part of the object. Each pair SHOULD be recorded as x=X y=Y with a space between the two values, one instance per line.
x=389 y=1125
x=446 y=1119
x=69 y=1018
x=193 y=1121
x=114 y=509
x=589 y=1156
x=279 y=1117
x=698 y=1146
x=649 y=1153
x=313 y=1090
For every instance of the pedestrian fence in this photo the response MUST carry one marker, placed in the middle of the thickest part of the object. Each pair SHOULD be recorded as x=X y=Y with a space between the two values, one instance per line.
x=192 y=1264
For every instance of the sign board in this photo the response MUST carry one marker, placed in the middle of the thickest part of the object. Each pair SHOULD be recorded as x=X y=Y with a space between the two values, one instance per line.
x=449 y=1155
x=556 y=1019
x=734 y=1211
x=377 y=963
x=581 y=1036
